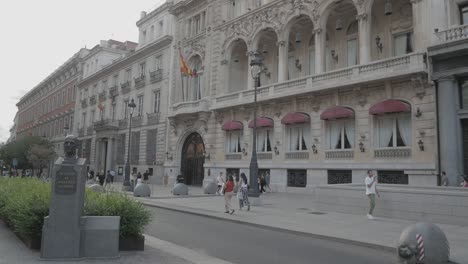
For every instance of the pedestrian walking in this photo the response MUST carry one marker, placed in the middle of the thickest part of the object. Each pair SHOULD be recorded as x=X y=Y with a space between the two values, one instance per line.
x=444 y=179
x=242 y=193
x=371 y=191
x=101 y=178
x=108 y=179
x=267 y=181
x=112 y=173
x=228 y=192
x=465 y=181
x=262 y=183
x=220 y=183
x=146 y=176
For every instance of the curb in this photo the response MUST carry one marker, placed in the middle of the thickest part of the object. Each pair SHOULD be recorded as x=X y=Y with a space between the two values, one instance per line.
x=324 y=237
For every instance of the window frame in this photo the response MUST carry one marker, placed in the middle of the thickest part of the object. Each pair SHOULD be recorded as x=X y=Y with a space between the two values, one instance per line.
x=229 y=135
x=288 y=134
x=395 y=131
x=267 y=131
x=157 y=101
x=401 y=33
x=342 y=124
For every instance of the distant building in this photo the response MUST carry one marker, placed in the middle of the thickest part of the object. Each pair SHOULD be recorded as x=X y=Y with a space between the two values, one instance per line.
x=142 y=75
x=13 y=129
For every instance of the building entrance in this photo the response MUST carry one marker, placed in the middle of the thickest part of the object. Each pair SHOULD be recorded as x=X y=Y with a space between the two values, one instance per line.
x=193 y=159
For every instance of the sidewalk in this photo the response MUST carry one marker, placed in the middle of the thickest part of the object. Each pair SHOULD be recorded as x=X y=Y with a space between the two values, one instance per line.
x=13 y=251
x=295 y=213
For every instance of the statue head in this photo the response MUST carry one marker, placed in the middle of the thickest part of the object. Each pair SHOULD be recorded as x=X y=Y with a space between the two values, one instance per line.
x=70 y=146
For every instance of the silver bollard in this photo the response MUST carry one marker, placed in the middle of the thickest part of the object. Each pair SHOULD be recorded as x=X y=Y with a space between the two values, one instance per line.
x=423 y=243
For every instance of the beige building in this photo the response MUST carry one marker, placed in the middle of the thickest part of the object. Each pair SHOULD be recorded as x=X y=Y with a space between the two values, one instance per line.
x=114 y=74
x=345 y=89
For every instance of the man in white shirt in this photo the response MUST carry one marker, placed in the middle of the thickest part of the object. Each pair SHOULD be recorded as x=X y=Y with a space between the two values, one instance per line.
x=371 y=191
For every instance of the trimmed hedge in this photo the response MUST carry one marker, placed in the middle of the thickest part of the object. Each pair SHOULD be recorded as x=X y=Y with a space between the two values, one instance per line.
x=24 y=202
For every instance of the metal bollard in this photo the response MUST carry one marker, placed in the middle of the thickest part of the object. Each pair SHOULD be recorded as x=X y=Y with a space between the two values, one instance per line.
x=423 y=243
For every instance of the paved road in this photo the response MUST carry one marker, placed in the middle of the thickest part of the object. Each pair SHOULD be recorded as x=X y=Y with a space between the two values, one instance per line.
x=239 y=243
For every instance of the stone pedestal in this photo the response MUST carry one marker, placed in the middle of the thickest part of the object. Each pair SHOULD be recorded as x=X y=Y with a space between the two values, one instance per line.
x=210 y=188
x=180 y=189
x=142 y=190
x=61 y=230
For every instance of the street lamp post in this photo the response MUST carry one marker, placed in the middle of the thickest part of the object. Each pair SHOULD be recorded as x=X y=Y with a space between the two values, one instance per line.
x=126 y=184
x=256 y=68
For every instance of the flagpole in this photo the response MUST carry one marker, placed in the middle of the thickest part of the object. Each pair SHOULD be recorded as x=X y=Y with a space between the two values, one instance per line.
x=183 y=91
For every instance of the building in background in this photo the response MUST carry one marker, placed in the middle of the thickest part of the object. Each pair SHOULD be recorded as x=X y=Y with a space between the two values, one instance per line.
x=141 y=74
x=449 y=63
x=345 y=89
x=13 y=129
x=47 y=110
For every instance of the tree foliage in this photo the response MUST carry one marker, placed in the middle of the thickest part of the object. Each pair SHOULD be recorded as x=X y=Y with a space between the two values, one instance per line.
x=21 y=150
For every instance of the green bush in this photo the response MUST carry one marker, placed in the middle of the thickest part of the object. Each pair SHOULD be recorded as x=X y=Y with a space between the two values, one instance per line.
x=24 y=202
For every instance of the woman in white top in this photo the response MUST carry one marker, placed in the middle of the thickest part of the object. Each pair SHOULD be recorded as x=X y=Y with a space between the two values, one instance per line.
x=242 y=193
x=220 y=183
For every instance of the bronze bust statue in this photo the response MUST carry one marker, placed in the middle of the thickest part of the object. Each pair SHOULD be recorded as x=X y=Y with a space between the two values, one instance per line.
x=70 y=146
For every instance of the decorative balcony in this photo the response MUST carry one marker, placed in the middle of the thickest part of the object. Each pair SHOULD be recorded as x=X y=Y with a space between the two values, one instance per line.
x=137 y=121
x=102 y=96
x=297 y=155
x=139 y=82
x=113 y=91
x=190 y=107
x=125 y=87
x=398 y=153
x=153 y=118
x=106 y=124
x=81 y=132
x=452 y=34
x=84 y=103
x=89 y=131
x=156 y=76
x=92 y=100
x=123 y=123
x=233 y=156
x=339 y=154
x=265 y=156
x=374 y=71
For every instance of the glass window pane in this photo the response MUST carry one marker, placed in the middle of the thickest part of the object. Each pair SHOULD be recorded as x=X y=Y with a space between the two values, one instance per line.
x=352 y=52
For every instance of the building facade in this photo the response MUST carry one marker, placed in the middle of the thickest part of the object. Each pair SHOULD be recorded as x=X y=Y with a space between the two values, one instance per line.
x=345 y=89
x=140 y=74
x=448 y=55
x=48 y=109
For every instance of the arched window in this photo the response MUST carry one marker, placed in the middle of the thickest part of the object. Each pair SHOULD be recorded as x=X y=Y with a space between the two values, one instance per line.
x=194 y=81
x=312 y=55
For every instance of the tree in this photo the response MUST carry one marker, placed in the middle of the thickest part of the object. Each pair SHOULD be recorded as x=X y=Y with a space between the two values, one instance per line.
x=40 y=155
x=19 y=149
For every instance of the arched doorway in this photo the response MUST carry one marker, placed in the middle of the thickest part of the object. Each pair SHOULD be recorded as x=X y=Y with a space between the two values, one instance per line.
x=193 y=159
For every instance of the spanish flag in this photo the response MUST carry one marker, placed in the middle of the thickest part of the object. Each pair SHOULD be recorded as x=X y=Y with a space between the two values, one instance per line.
x=184 y=69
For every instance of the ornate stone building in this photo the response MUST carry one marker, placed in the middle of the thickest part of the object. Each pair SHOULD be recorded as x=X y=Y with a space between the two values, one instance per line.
x=48 y=109
x=134 y=72
x=345 y=89
x=448 y=56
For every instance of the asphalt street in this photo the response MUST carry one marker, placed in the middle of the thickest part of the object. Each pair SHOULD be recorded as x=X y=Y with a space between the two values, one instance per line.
x=240 y=243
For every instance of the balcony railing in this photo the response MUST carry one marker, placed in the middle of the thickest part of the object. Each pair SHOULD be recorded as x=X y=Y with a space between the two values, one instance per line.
x=92 y=100
x=452 y=34
x=233 y=156
x=297 y=155
x=340 y=154
x=113 y=91
x=190 y=107
x=81 y=132
x=137 y=121
x=377 y=70
x=104 y=125
x=139 y=82
x=156 y=76
x=153 y=118
x=125 y=87
x=102 y=96
x=123 y=123
x=265 y=156
x=89 y=131
x=393 y=152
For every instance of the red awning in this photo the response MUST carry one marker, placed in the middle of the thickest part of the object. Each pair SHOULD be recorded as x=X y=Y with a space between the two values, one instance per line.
x=295 y=118
x=232 y=125
x=389 y=106
x=336 y=112
x=262 y=122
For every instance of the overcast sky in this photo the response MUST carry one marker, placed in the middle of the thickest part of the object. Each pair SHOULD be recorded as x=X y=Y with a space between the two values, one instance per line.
x=39 y=36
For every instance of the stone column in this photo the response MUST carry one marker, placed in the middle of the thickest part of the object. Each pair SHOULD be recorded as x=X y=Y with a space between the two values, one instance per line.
x=449 y=129
x=364 y=38
x=282 y=61
x=110 y=154
x=97 y=155
x=319 y=37
x=418 y=25
x=250 y=80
